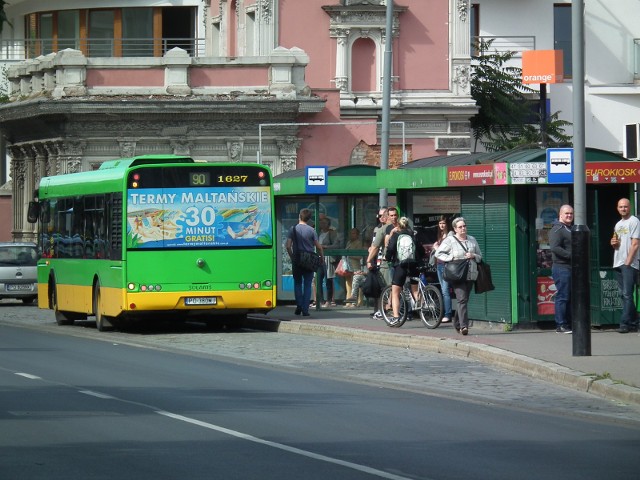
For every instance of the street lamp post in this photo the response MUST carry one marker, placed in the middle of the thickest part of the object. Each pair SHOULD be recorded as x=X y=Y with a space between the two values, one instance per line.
x=580 y=263
x=386 y=98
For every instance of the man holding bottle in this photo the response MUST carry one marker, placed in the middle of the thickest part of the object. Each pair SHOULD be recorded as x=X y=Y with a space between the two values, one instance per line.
x=626 y=243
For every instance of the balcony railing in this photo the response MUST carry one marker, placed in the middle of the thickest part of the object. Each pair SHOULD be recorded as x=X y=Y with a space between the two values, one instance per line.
x=636 y=58
x=22 y=49
x=507 y=44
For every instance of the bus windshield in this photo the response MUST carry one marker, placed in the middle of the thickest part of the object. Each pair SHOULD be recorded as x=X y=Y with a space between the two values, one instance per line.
x=198 y=207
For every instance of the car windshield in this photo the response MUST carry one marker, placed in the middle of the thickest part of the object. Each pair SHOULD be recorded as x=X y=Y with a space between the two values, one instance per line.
x=18 y=255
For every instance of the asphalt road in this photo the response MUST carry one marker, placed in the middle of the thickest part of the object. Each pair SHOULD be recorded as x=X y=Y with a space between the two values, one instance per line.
x=164 y=403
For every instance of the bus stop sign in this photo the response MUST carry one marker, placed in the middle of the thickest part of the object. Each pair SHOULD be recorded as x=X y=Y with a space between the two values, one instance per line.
x=317 y=180
x=559 y=165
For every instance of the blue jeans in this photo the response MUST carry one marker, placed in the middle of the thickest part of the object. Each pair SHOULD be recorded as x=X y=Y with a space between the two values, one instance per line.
x=627 y=278
x=444 y=285
x=562 y=278
x=322 y=278
x=302 y=280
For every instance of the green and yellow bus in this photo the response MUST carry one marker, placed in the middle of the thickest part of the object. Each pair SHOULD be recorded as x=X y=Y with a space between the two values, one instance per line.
x=156 y=236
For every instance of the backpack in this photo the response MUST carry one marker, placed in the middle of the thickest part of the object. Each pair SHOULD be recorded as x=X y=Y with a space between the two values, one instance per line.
x=405 y=248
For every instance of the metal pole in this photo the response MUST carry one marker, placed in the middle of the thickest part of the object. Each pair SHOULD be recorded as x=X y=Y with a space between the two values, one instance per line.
x=580 y=261
x=386 y=98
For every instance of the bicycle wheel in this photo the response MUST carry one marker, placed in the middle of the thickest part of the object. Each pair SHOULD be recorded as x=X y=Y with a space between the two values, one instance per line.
x=431 y=309
x=387 y=311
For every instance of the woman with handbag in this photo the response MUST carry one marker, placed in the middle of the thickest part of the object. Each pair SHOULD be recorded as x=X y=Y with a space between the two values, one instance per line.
x=443 y=232
x=461 y=250
x=355 y=267
x=328 y=238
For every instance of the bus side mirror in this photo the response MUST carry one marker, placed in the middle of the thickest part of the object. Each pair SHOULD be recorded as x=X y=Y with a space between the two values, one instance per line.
x=34 y=212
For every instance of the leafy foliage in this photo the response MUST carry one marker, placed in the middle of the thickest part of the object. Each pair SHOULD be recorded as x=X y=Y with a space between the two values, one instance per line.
x=505 y=110
x=3 y=16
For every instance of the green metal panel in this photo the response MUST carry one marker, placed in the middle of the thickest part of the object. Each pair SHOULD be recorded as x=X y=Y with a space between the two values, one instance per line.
x=431 y=177
x=349 y=180
x=486 y=211
x=521 y=262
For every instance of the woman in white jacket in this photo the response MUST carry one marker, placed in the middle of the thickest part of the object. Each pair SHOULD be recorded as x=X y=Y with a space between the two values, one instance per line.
x=457 y=247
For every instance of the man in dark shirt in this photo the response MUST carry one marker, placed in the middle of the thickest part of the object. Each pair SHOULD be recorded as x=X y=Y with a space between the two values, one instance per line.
x=560 y=243
x=302 y=237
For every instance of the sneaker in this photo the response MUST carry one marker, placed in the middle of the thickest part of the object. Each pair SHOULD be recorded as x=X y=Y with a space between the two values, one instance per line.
x=298 y=311
x=563 y=330
x=464 y=331
x=623 y=330
x=377 y=315
x=446 y=319
x=394 y=320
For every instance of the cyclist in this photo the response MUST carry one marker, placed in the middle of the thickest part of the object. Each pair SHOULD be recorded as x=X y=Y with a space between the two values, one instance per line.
x=404 y=253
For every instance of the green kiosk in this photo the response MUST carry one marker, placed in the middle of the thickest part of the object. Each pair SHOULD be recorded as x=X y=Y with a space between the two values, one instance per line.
x=347 y=195
x=509 y=207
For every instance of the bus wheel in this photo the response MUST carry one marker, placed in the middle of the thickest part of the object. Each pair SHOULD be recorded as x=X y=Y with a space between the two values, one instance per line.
x=103 y=322
x=62 y=318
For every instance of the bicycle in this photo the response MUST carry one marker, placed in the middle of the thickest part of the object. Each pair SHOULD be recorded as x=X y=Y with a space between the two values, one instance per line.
x=428 y=303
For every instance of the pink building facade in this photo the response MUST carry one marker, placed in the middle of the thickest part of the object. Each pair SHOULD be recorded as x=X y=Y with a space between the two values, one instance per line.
x=285 y=83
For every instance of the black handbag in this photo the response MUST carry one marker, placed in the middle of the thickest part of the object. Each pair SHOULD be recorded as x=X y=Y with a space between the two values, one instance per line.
x=373 y=284
x=456 y=271
x=308 y=261
x=484 y=282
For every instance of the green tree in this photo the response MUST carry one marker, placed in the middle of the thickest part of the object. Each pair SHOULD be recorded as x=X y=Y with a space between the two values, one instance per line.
x=3 y=16
x=503 y=121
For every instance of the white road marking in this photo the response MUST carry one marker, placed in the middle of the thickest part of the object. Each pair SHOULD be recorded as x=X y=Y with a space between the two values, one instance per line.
x=28 y=375
x=97 y=394
x=280 y=446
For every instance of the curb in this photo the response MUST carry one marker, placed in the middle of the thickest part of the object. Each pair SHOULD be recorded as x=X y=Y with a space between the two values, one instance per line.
x=515 y=362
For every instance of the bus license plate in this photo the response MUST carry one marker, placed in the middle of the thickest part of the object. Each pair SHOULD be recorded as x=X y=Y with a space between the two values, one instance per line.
x=200 y=301
x=14 y=287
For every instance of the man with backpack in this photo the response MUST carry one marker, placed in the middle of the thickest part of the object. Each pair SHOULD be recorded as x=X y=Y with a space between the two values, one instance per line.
x=404 y=253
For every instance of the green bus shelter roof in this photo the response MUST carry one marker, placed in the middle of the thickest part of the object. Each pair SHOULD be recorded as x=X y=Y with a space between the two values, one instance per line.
x=346 y=180
x=431 y=172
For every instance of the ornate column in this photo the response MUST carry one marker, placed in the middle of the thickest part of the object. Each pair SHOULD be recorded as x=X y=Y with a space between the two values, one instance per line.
x=18 y=167
x=51 y=164
x=127 y=147
x=266 y=27
x=181 y=146
x=288 y=154
x=342 y=58
x=70 y=156
x=461 y=48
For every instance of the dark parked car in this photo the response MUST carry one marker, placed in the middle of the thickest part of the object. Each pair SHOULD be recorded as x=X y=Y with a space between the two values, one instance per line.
x=18 y=277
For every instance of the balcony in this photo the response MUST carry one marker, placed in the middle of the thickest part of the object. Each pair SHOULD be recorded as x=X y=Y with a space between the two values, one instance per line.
x=636 y=60
x=23 y=49
x=507 y=44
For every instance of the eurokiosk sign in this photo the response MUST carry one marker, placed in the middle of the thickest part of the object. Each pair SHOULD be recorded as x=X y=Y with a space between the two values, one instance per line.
x=536 y=173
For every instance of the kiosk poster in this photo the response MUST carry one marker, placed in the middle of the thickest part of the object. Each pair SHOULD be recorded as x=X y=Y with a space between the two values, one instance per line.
x=199 y=217
x=548 y=203
x=545 y=293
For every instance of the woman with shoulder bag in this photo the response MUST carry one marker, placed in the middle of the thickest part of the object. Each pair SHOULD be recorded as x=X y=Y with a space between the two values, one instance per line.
x=461 y=246
x=444 y=231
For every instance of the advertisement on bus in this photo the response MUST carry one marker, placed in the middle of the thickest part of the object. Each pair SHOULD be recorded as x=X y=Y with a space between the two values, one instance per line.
x=199 y=217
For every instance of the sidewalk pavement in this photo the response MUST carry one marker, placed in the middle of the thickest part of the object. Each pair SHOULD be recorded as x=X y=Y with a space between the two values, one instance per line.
x=611 y=371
